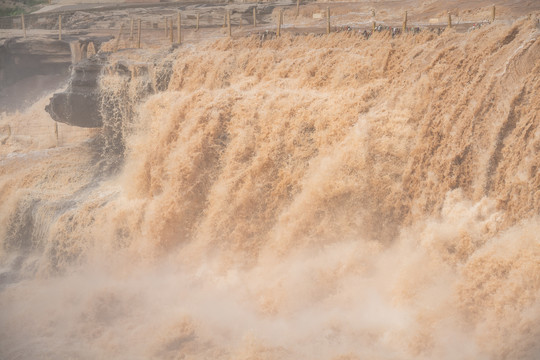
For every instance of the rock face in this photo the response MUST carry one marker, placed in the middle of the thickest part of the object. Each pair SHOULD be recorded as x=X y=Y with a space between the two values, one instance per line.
x=37 y=66
x=85 y=104
x=79 y=105
x=30 y=68
x=24 y=58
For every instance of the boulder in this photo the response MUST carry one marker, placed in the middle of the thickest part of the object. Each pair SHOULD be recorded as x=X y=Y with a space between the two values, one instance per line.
x=79 y=104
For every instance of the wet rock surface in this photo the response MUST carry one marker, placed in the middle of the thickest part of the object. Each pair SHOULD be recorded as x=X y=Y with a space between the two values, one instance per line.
x=79 y=104
x=29 y=68
x=21 y=58
x=86 y=103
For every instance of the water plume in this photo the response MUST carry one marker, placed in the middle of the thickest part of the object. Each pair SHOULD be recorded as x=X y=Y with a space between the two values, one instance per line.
x=324 y=197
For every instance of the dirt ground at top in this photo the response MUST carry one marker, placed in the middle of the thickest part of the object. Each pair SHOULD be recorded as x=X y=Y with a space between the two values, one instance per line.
x=506 y=8
x=87 y=18
x=389 y=9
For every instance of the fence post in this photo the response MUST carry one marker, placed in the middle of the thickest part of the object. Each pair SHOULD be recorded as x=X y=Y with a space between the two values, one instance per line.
x=131 y=30
x=404 y=23
x=255 y=17
x=117 y=43
x=139 y=34
x=278 y=33
x=373 y=29
x=229 y=23
x=56 y=132
x=59 y=27
x=23 y=25
x=297 y=8
x=166 y=28
x=493 y=13
x=449 y=20
x=172 y=30
x=179 y=15
x=197 y=28
x=328 y=20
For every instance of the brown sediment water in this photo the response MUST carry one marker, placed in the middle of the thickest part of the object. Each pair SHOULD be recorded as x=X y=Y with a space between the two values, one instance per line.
x=323 y=197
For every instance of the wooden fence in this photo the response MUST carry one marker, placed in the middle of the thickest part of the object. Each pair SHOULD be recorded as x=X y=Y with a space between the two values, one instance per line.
x=176 y=21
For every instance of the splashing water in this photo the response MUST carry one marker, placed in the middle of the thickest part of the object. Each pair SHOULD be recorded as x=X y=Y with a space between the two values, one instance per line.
x=306 y=197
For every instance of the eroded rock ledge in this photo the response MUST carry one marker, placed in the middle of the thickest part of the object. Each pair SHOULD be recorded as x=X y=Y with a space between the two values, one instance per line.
x=31 y=68
x=20 y=58
x=85 y=104
x=79 y=104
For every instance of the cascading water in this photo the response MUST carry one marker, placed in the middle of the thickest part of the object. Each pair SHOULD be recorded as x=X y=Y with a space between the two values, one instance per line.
x=305 y=197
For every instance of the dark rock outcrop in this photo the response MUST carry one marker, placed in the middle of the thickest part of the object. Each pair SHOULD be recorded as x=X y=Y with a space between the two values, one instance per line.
x=30 y=69
x=84 y=104
x=21 y=58
x=33 y=67
x=79 y=105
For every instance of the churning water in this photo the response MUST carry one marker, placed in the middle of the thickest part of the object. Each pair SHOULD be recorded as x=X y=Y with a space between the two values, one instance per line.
x=306 y=197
